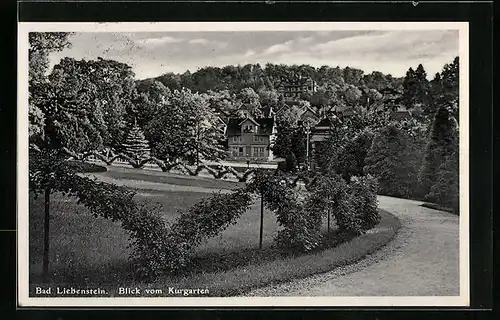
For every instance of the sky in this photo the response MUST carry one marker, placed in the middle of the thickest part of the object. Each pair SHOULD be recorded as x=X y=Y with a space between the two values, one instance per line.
x=152 y=54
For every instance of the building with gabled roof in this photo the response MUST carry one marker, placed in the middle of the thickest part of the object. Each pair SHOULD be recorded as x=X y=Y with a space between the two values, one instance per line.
x=250 y=139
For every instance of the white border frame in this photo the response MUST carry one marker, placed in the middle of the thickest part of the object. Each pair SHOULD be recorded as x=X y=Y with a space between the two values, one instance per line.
x=22 y=169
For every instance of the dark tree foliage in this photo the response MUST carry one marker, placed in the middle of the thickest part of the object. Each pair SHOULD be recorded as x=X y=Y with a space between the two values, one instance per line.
x=416 y=88
x=445 y=189
x=389 y=159
x=441 y=145
x=351 y=158
x=136 y=145
x=41 y=45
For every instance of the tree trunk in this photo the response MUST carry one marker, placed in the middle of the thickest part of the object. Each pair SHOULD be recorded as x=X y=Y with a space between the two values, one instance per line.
x=46 y=236
x=328 y=223
x=261 y=219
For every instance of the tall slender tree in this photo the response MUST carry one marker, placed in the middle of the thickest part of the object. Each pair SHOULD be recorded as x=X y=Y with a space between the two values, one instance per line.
x=135 y=144
x=441 y=145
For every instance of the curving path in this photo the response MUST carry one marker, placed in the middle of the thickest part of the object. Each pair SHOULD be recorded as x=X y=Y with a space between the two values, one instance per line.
x=422 y=260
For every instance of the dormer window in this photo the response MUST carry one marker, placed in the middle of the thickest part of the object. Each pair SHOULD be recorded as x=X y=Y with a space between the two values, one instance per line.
x=248 y=128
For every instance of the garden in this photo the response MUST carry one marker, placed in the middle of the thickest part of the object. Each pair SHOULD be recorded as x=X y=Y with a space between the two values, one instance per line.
x=95 y=225
x=90 y=251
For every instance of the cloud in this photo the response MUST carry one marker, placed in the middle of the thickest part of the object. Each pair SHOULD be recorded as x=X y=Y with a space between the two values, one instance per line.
x=249 y=53
x=391 y=45
x=206 y=42
x=303 y=40
x=198 y=41
x=388 y=51
x=282 y=47
x=156 y=42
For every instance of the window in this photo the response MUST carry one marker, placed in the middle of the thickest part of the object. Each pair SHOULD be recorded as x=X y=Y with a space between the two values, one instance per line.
x=258 y=152
x=255 y=138
x=240 y=151
x=234 y=151
x=261 y=139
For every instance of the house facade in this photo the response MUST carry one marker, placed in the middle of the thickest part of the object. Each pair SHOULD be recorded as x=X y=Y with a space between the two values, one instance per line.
x=250 y=139
x=295 y=87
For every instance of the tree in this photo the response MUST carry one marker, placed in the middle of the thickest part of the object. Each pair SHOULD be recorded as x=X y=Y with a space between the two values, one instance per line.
x=441 y=145
x=135 y=144
x=352 y=95
x=351 y=158
x=268 y=97
x=435 y=94
x=352 y=76
x=410 y=89
x=152 y=96
x=416 y=88
x=423 y=86
x=72 y=117
x=250 y=101
x=41 y=44
x=100 y=92
x=376 y=80
x=450 y=84
x=185 y=128
x=388 y=160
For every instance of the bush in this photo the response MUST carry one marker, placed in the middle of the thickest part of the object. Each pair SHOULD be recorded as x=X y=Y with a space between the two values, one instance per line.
x=207 y=218
x=392 y=160
x=445 y=191
x=80 y=166
x=351 y=159
x=354 y=205
x=291 y=162
x=300 y=228
x=364 y=201
x=443 y=142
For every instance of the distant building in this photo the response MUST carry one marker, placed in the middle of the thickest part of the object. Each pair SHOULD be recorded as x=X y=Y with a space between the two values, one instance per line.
x=319 y=133
x=296 y=86
x=250 y=139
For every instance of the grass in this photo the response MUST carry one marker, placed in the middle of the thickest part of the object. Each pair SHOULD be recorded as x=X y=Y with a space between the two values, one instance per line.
x=89 y=251
x=437 y=207
x=168 y=178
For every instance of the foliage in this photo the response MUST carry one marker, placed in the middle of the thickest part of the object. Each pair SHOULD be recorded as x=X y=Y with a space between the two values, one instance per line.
x=41 y=44
x=351 y=158
x=299 y=232
x=390 y=160
x=445 y=189
x=49 y=170
x=353 y=204
x=415 y=88
x=206 y=219
x=250 y=101
x=291 y=162
x=135 y=144
x=364 y=200
x=290 y=142
x=98 y=94
x=445 y=89
x=184 y=128
x=80 y=166
x=442 y=143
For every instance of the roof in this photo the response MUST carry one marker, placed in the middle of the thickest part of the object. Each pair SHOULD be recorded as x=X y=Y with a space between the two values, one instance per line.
x=324 y=123
x=265 y=126
x=401 y=115
x=267 y=110
x=248 y=119
x=308 y=108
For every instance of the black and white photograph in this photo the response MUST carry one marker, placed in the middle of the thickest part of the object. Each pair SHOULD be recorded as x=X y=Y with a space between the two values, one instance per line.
x=243 y=164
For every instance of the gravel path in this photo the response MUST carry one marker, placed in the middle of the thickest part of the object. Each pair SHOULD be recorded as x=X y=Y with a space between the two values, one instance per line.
x=422 y=260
